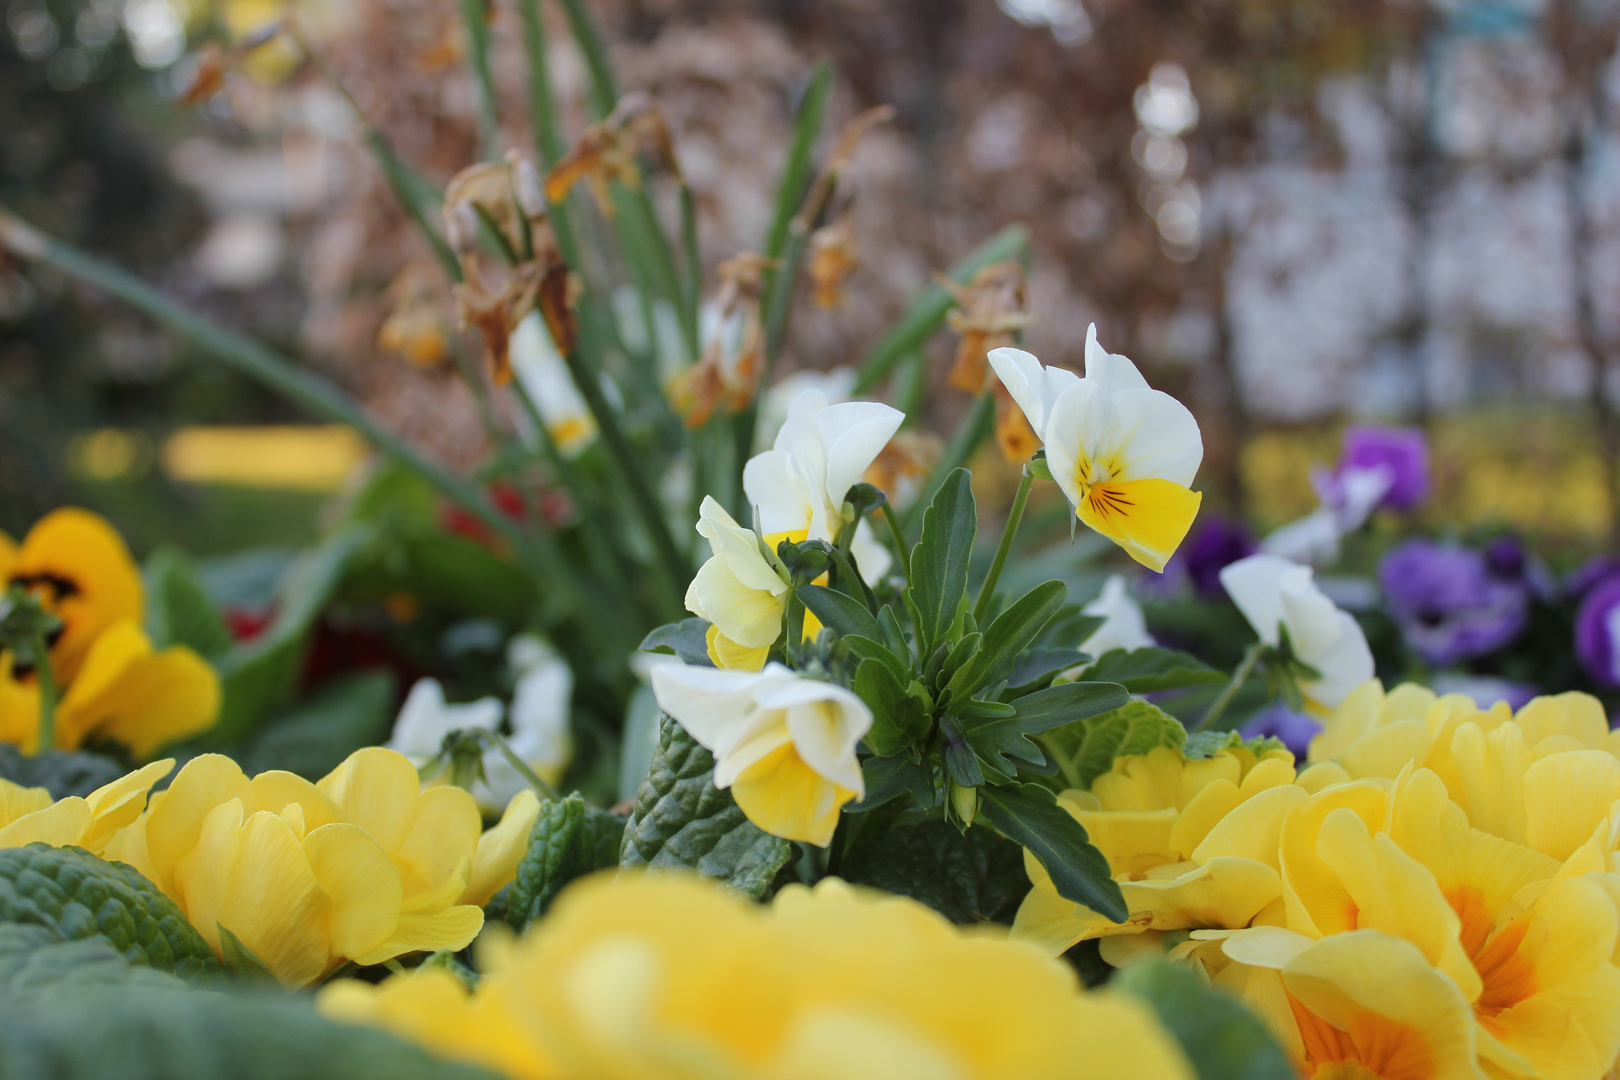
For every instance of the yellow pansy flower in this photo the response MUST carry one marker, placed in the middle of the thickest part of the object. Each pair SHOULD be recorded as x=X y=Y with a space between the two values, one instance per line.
x=363 y=866
x=30 y=815
x=784 y=744
x=738 y=591
x=1123 y=453
x=79 y=569
x=1192 y=843
x=648 y=977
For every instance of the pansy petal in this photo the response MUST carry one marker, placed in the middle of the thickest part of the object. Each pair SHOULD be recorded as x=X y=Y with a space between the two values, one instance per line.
x=1155 y=436
x=1147 y=518
x=854 y=433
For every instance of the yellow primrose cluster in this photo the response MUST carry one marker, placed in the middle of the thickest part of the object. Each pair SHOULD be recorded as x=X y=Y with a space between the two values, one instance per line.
x=1436 y=894
x=663 y=976
x=112 y=685
x=363 y=866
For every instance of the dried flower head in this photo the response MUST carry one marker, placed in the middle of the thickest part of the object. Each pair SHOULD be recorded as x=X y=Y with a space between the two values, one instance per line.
x=416 y=328
x=728 y=370
x=991 y=308
x=608 y=152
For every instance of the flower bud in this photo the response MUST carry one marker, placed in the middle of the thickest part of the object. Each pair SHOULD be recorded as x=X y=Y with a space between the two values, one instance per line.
x=526 y=188
x=461 y=227
x=965 y=801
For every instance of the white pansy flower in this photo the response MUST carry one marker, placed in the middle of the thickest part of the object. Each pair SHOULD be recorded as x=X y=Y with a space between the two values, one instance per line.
x=425 y=719
x=1274 y=593
x=1124 y=626
x=798 y=486
x=835 y=385
x=1122 y=452
x=546 y=380
x=738 y=591
x=542 y=735
x=784 y=744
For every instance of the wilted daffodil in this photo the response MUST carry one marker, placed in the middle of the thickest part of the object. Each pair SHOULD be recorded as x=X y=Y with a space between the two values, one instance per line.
x=1193 y=844
x=364 y=866
x=30 y=815
x=727 y=374
x=659 y=977
x=738 y=591
x=1123 y=453
x=545 y=378
x=1278 y=597
x=784 y=744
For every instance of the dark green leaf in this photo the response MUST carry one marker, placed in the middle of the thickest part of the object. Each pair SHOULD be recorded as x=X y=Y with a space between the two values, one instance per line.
x=76 y=895
x=345 y=714
x=966 y=648
x=846 y=615
x=1034 y=668
x=140 y=1033
x=240 y=961
x=178 y=609
x=939 y=562
x=1147 y=671
x=961 y=763
x=893 y=636
x=569 y=840
x=970 y=877
x=33 y=962
x=1222 y=1039
x=892 y=777
x=876 y=685
x=682 y=820
x=1004 y=742
x=1010 y=634
x=867 y=649
x=1030 y=816
x=1085 y=749
x=684 y=639
x=62 y=774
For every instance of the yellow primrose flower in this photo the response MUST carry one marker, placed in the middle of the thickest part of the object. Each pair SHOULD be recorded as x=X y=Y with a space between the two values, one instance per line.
x=79 y=569
x=30 y=815
x=658 y=977
x=1192 y=843
x=784 y=744
x=363 y=866
x=738 y=591
x=500 y=849
x=1123 y=453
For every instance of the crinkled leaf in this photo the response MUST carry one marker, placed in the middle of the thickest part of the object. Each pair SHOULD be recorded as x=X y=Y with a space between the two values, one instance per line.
x=1206 y=744
x=178 y=608
x=1086 y=749
x=939 y=562
x=76 y=896
x=62 y=774
x=569 y=840
x=1010 y=634
x=34 y=961
x=1004 y=742
x=139 y=1033
x=682 y=820
x=685 y=639
x=1030 y=816
x=970 y=877
x=1222 y=1039
x=1147 y=671
x=345 y=714
x=241 y=962
x=842 y=612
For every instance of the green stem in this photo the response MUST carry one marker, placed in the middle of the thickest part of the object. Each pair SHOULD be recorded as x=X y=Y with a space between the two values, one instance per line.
x=47 y=697
x=489 y=121
x=902 y=553
x=1239 y=676
x=694 y=265
x=846 y=571
x=604 y=90
x=987 y=591
x=274 y=371
x=520 y=765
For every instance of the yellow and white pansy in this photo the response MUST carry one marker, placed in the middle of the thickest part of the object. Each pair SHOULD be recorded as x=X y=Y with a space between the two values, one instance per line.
x=1124 y=453
x=784 y=744
x=798 y=487
x=738 y=591
x=545 y=378
x=1275 y=594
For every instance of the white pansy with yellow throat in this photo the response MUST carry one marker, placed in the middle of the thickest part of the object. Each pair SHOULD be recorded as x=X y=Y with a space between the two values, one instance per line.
x=738 y=591
x=1122 y=452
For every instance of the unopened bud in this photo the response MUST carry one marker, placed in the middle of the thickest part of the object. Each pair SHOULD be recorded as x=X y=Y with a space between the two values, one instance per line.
x=965 y=801
x=526 y=187
x=461 y=227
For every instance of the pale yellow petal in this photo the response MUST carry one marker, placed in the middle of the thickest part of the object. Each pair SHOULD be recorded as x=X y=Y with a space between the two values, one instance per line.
x=1565 y=796
x=501 y=848
x=363 y=887
x=452 y=928
x=58 y=825
x=787 y=798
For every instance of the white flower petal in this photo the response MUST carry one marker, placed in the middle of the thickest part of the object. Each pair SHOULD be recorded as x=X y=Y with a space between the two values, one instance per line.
x=739 y=547
x=1344 y=667
x=1125 y=626
x=872 y=558
x=1252 y=583
x=1156 y=436
x=1110 y=371
x=1035 y=388
x=425 y=719
x=716 y=707
x=1065 y=429
x=853 y=435
x=1312 y=620
x=825 y=734
x=748 y=616
x=776 y=491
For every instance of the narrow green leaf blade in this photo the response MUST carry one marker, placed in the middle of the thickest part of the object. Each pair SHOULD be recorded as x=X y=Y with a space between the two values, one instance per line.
x=1004 y=742
x=685 y=639
x=1010 y=634
x=1030 y=816
x=178 y=608
x=939 y=562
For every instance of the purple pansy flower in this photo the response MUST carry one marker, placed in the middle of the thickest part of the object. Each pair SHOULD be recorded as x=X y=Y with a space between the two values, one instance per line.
x=1593 y=571
x=1295 y=729
x=1217 y=544
x=1448 y=603
x=1597 y=632
x=1404 y=452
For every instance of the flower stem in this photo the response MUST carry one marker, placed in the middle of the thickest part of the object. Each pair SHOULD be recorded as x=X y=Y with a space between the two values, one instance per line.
x=901 y=553
x=987 y=591
x=1239 y=676
x=521 y=766
x=47 y=697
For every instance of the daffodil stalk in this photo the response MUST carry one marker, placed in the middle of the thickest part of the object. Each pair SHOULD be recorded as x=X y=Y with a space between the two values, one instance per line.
x=987 y=591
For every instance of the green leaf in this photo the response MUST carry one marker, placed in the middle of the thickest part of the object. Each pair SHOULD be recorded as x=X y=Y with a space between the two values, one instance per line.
x=845 y=614
x=1206 y=744
x=178 y=608
x=893 y=777
x=140 y=1033
x=1004 y=743
x=681 y=819
x=75 y=895
x=34 y=961
x=782 y=242
x=961 y=763
x=866 y=649
x=894 y=638
x=939 y=562
x=345 y=714
x=241 y=963
x=1222 y=1039
x=1086 y=749
x=569 y=840
x=1030 y=816
x=685 y=639
x=928 y=307
x=899 y=712
x=971 y=877
x=1010 y=634
x=1147 y=671
x=1034 y=668
x=62 y=774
